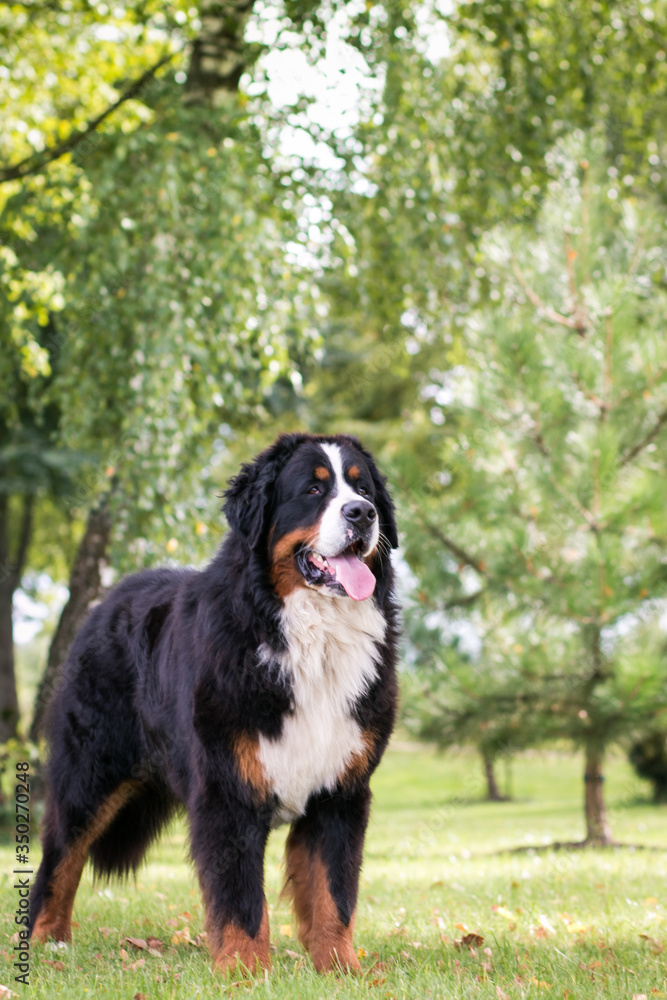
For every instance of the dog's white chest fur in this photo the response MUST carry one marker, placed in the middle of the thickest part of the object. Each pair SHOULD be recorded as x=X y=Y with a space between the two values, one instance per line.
x=331 y=660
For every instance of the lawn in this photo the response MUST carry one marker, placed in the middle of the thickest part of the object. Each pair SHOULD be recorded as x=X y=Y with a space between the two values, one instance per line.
x=554 y=923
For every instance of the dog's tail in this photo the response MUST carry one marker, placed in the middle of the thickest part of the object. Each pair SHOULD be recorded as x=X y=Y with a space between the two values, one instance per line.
x=122 y=846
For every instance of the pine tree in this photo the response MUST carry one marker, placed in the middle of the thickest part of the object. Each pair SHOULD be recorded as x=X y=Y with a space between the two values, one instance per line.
x=549 y=516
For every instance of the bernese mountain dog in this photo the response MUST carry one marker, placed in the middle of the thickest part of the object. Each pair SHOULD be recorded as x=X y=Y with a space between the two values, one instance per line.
x=256 y=692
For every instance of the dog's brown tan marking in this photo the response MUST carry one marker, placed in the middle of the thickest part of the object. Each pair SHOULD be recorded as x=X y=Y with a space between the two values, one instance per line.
x=360 y=763
x=285 y=576
x=246 y=752
x=319 y=927
x=230 y=946
x=55 y=918
x=322 y=473
x=354 y=472
x=286 y=545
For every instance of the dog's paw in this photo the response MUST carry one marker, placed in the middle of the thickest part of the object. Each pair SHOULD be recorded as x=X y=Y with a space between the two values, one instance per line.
x=248 y=964
x=341 y=958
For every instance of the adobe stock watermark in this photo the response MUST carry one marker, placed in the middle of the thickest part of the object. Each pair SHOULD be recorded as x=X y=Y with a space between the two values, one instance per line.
x=22 y=872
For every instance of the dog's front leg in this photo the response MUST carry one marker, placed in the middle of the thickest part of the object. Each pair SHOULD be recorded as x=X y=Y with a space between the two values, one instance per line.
x=323 y=858
x=228 y=842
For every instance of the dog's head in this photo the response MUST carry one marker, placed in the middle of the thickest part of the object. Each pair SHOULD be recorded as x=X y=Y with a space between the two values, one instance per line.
x=319 y=510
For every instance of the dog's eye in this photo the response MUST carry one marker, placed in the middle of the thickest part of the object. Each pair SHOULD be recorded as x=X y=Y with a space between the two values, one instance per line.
x=314 y=490
x=363 y=491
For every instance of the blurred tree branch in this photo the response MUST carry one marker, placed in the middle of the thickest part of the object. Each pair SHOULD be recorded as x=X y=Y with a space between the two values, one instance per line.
x=646 y=440
x=36 y=162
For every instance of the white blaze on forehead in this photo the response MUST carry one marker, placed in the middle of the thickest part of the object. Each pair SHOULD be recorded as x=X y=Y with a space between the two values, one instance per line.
x=333 y=535
x=334 y=454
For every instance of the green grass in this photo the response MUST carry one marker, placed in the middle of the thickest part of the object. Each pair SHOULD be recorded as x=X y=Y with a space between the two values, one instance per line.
x=555 y=924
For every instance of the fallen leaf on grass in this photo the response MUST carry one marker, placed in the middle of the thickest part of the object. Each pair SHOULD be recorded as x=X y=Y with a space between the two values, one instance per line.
x=182 y=936
x=139 y=996
x=654 y=945
x=502 y=911
x=541 y=984
x=470 y=940
x=293 y=954
x=136 y=942
x=152 y=948
x=105 y=931
x=286 y=930
x=60 y=966
x=501 y=994
x=639 y=996
x=6 y=993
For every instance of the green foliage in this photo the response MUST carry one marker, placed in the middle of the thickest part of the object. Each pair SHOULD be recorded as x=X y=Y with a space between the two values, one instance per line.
x=152 y=301
x=453 y=697
x=457 y=143
x=552 y=513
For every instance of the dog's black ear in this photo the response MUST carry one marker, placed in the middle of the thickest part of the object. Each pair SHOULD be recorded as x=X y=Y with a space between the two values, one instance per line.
x=249 y=496
x=383 y=502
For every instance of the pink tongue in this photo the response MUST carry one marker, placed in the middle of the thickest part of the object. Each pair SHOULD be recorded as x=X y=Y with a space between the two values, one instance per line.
x=354 y=575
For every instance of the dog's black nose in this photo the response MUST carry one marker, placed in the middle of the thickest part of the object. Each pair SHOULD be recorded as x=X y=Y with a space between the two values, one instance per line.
x=360 y=513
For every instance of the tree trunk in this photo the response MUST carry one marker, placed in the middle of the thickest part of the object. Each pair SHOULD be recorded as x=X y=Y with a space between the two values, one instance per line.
x=598 y=831
x=219 y=55
x=493 y=792
x=9 y=706
x=11 y=571
x=84 y=588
